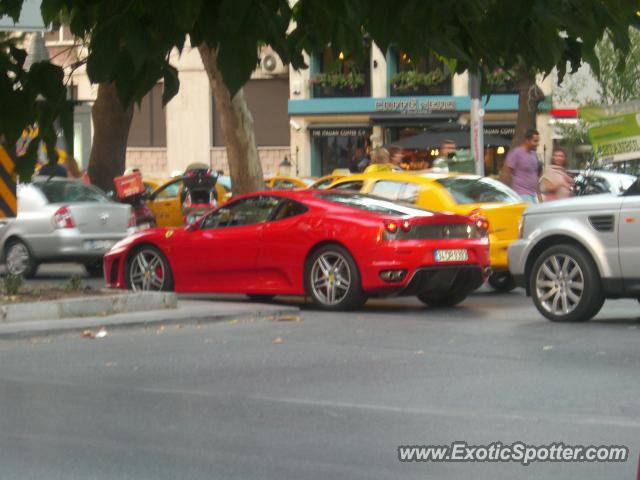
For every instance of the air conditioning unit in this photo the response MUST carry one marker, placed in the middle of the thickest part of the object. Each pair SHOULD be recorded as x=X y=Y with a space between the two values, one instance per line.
x=271 y=65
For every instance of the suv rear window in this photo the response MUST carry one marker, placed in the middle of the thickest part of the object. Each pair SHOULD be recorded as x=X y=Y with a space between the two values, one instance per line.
x=478 y=190
x=65 y=191
x=373 y=204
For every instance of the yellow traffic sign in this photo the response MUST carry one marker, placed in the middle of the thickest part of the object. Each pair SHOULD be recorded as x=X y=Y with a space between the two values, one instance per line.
x=8 y=202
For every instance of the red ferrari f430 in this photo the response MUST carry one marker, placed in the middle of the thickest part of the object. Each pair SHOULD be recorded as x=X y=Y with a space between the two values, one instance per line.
x=337 y=247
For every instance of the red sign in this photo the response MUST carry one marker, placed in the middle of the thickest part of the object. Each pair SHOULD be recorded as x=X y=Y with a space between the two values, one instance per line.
x=129 y=185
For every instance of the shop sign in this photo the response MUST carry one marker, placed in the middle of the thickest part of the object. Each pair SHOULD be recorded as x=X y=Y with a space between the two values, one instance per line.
x=502 y=131
x=614 y=130
x=413 y=105
x=339 y=132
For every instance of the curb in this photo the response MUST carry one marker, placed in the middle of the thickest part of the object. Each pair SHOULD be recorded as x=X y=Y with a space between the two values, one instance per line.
x=153 y=319
x=87 y=306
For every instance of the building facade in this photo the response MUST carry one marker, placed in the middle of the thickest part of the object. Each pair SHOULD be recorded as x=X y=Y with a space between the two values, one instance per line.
x=320 y=118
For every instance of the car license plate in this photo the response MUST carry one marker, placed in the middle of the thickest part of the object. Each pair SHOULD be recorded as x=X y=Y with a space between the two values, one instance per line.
x=453 y=255
x=98 y=244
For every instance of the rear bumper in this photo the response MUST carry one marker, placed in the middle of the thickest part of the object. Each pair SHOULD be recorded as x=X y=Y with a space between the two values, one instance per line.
x=71 y=245
x=417 y=259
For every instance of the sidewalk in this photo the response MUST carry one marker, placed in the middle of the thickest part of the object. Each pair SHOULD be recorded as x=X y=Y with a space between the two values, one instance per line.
x=188 y=311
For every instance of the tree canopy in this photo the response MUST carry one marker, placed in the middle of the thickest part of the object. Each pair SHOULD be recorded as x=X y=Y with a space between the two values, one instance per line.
x=130 y=42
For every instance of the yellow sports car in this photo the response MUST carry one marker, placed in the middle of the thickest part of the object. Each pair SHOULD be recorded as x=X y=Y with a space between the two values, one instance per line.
x=457 y=193
x=165 y=201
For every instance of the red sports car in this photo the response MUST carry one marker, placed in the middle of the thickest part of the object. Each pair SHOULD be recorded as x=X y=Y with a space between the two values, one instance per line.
x=337 y=247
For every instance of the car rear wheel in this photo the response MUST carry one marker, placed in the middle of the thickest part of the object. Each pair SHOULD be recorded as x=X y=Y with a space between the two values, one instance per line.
x=502 y=281
x=19 y=259
x=148 y=270
x=565 y=285
x=94 y=269
x=332 y=279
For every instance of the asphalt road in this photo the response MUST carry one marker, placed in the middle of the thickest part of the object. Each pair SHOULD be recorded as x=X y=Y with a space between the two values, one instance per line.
x=331 y=396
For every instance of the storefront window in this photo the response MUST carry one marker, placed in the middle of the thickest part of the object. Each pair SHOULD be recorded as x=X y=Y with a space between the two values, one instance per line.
x=420 y=76
x=340 y=147
x=340 y=75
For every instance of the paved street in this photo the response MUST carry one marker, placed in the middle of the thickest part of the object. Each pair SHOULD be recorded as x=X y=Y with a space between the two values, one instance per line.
x=331 y=396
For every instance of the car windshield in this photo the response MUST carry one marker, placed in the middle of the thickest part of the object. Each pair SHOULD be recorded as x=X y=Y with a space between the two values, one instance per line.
x=478 y=190
x=71 y=191
x=373 y=204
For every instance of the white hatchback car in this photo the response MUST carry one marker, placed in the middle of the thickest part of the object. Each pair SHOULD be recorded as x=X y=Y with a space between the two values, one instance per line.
x=62 y=220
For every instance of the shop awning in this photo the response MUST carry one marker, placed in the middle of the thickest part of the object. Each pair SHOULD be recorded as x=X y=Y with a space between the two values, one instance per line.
x=404 y=120
x=433 y=139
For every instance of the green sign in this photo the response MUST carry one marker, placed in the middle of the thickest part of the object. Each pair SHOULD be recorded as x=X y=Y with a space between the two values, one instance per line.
x=614 y=131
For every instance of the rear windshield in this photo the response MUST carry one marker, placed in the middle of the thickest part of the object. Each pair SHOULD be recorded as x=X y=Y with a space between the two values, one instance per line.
x=372 y=204
x=478 y=190
x=62 y=192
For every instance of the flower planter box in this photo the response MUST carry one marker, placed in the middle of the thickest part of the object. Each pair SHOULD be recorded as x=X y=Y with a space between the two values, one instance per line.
x=443 y=88
x=324 y=91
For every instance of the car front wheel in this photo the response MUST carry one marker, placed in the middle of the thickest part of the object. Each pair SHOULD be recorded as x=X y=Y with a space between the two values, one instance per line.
x=148 y=270
x=565 y=284
x=332 y=279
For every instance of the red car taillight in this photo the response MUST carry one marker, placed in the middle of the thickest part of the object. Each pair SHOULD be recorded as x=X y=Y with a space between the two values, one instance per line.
x=63 y=219
x=132 y=220
x=392 y=226
x=187 y=201
x=480 y=219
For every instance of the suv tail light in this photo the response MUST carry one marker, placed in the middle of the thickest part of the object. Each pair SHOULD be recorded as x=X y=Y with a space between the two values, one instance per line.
x=62 y=218
x=187 y=201
x=480 y=219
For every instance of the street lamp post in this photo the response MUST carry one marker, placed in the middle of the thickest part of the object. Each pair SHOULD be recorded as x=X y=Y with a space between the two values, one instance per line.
x=477 y=124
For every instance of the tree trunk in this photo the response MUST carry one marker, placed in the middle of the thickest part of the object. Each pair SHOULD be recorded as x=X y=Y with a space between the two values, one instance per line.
x=529 y=96
x=111 y=124
x=237 y=127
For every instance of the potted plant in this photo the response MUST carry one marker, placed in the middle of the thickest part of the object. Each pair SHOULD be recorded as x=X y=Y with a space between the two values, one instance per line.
x=336 y=83
x=500 y=80
x=413 y=82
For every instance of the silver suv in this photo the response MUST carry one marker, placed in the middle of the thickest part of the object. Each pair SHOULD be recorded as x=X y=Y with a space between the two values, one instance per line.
x=574 y=253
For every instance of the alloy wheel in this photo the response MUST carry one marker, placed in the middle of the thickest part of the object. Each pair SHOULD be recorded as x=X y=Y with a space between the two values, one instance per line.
x=147 y=271
x=330 y=278
x=559 y=284
x=18 y=258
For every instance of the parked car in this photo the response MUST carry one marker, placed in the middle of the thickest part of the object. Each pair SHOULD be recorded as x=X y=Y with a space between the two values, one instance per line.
x=591 y=182
x=336 y=247
x=325 y=181
x=574 y=253
x=62 y=220
x=281 y=182
x=451 y=192
x=166 y=202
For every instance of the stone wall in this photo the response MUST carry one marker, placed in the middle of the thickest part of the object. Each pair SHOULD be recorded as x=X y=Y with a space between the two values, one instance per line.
x=270 y=157
x=152 y=162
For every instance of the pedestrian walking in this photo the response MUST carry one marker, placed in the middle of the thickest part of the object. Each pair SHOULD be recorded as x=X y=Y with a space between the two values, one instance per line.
x=521 y=169
x=555 y=182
